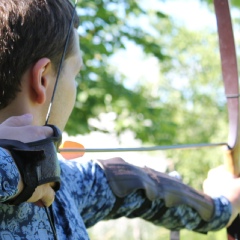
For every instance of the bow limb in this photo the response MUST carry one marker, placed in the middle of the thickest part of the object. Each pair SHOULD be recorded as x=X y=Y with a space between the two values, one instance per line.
x=230 y=78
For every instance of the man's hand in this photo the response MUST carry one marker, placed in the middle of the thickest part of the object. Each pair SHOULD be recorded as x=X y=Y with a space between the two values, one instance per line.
x=44 y=195
x=221 y=182
x=20 y=128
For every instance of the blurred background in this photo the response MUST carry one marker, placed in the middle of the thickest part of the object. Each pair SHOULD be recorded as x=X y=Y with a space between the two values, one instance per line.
x=151 y=76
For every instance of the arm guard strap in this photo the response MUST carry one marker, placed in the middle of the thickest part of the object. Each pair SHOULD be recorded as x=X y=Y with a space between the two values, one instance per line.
x=125 y=178
x=37 y=163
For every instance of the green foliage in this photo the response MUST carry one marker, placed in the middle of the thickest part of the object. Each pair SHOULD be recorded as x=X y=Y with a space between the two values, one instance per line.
x=186 y=105
x=193 y=91
x=233 y=3
x=105 y=27
x=166 y=118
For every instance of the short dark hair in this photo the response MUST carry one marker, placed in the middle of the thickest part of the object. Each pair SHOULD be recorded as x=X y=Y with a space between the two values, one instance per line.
x=29 y=31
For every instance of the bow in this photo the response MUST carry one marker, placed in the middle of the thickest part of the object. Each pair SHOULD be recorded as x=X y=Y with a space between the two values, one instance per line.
x=230 y=78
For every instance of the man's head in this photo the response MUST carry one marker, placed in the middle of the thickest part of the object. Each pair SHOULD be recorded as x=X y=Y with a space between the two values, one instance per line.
x=31 y=30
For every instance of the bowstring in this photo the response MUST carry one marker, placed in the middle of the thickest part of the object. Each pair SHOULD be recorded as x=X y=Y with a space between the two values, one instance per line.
x=61 y=63
x=49 y=211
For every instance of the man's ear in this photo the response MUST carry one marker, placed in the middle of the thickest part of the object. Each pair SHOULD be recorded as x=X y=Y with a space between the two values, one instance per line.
x=40 y=79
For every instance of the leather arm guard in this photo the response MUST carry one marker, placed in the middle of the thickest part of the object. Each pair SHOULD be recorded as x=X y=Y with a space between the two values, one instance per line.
x=125 y=178
x=37 y=163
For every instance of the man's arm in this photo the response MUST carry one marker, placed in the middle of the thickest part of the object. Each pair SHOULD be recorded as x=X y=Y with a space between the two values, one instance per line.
x=163 y=200
x=96 y=200
x=10 y=179
x=221 y=182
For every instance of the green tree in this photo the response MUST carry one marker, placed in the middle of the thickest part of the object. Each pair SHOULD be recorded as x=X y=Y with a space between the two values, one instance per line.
x=105 y=27
x=192 y=87
x=181 y=108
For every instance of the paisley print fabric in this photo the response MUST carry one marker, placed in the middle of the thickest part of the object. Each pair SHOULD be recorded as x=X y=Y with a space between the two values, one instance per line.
x=9 y=176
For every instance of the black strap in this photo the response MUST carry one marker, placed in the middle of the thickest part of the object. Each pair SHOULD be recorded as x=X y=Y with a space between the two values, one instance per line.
x=37 y=163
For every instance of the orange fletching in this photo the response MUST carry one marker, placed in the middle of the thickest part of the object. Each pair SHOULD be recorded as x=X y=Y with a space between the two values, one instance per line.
x=70 y=150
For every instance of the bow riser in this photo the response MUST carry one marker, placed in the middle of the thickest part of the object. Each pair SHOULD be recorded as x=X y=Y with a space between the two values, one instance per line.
x=230 y=78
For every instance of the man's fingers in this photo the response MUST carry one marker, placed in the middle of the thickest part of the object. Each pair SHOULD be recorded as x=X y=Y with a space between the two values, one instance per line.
x=43 y=195
x=47 y=131
x=20 y=128
x=219 y=174
x=39 y=133
x=18 y=121
x=49 y=197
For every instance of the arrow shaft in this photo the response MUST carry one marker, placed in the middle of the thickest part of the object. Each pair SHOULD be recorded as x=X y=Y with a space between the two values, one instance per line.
x=144 y=149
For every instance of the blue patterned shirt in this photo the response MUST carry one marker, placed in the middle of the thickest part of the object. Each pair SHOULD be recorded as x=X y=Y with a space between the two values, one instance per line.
x=84 y=199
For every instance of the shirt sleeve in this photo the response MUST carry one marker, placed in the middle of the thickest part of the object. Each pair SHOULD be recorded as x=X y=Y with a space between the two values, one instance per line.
x=9 y=176
x=174 y=218
x=95 y=200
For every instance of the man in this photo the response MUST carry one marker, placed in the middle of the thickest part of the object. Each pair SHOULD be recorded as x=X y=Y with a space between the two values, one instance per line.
x=32 y=38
